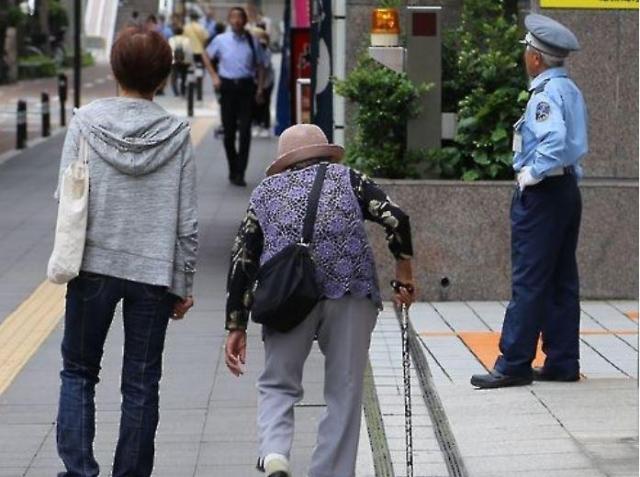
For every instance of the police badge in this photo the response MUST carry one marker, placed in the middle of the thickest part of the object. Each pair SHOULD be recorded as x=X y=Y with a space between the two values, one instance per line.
x=542 y=111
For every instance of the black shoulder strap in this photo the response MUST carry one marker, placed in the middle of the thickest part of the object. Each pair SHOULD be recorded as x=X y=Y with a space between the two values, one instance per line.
x=253 y=49
x=312 y=204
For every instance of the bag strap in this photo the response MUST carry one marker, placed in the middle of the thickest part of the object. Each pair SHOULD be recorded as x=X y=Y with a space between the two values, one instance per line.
x=312 y=204
x=84 y=150
x=252 y=45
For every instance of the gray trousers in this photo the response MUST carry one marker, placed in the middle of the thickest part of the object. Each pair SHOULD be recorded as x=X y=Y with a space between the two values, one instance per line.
x=343 y=328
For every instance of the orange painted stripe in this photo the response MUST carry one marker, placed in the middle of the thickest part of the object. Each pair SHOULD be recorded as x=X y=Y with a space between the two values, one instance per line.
x=633 y=315
x=484 y=345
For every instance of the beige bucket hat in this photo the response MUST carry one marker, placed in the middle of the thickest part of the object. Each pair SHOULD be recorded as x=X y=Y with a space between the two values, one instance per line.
x=300 y=143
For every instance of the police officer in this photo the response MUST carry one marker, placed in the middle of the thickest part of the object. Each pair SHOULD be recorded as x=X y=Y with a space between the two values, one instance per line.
x=549 y=141
x=239 y=79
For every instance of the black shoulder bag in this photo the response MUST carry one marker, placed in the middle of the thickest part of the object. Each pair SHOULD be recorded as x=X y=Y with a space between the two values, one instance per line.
x=286 y=289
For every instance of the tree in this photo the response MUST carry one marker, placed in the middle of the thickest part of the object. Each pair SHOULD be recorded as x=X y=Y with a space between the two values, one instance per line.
x=486 y=84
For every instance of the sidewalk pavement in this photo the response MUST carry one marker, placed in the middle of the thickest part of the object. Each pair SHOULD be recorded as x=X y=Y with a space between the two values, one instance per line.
x=97 y=82
x=207 y=423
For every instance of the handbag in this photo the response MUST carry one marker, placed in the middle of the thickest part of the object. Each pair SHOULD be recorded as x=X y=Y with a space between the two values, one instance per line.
x=286 y=289
x=71 y=227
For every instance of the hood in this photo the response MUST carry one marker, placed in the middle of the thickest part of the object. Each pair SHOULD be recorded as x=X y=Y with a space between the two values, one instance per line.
x=135 y=136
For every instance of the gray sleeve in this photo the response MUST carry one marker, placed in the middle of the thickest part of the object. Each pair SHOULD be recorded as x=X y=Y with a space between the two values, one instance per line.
x=184 y=267
x=70 y=152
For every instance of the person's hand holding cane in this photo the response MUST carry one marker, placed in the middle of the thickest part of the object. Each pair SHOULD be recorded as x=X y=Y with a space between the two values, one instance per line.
x=403 y=285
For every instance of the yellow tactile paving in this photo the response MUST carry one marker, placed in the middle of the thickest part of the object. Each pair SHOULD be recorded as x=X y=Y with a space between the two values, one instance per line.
x=24 y=330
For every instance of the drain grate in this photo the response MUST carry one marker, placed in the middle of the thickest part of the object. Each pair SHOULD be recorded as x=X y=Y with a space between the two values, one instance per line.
x=441 y=427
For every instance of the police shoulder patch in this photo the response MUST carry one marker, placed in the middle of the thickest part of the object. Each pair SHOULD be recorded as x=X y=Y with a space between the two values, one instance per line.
x=542 y=111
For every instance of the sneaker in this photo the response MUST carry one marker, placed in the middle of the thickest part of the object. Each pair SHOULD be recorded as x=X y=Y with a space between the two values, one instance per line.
x=276 y=465
x=264 y=133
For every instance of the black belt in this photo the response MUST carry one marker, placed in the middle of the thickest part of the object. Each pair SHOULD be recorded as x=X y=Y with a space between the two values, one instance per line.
x=238 y=81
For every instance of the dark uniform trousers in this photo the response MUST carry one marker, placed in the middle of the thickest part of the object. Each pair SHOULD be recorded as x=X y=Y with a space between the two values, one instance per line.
x=545 y=223
x=236 y=104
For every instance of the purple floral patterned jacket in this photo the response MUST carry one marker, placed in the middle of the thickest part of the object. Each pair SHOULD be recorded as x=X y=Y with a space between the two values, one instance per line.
x=342 y=254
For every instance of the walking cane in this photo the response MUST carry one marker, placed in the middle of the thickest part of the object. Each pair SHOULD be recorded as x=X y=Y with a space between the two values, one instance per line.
x=406 y=372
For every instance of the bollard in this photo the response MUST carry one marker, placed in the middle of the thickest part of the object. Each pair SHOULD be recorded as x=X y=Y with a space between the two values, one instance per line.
x=46 y=116
x=190 y=92
x=199 y=79
x=21 y=128
x=62 y=94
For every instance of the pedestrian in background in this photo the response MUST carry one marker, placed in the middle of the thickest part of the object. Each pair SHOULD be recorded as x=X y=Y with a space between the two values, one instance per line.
x=344 y=318
x=239 y=78
x=165 y=30
x=198 y=36
x=549 y=142
x=182 y=60
x=210 y=24
x=140 y=250
x=262 y=111
x=134 y=21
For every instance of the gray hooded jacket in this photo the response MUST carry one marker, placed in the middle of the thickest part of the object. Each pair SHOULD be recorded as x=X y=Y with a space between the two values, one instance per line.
x=142 y=223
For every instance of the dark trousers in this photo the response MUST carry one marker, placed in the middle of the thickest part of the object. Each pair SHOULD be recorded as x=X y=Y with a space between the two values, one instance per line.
x=179 y=74
x=90 y=306
x=236 y=104
x=262 y=112
x=545 y=223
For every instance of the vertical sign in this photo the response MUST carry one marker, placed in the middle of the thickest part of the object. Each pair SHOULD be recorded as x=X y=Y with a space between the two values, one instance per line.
x=283 y=101
x=321 y=86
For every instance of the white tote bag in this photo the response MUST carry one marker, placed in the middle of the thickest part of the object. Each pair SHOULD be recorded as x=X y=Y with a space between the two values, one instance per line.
x=71 y=228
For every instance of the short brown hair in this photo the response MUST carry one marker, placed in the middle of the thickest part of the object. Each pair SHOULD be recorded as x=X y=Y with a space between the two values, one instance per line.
x=141 y=59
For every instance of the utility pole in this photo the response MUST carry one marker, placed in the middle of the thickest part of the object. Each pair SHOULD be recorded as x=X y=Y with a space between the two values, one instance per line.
x=77 y=57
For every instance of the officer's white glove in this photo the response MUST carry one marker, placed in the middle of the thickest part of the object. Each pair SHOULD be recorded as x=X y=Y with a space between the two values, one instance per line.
x=525 y=178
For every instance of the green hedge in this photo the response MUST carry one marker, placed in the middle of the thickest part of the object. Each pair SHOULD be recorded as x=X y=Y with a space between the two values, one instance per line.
x=385 y=101
x=36 y=66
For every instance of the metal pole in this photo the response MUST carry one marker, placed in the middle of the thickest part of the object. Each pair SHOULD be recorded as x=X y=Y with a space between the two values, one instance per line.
x=77 y=58
x=21 y=128
x=62 y=94
x=46 y=116
x=199 y=79
x=192 y=87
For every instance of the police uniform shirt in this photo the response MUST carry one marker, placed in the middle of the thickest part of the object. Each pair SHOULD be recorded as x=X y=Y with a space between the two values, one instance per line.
x=552 y=133
x=236 y=58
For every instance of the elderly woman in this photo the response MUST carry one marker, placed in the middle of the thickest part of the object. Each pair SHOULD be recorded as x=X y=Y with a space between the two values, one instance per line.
x=346 y=315
x=140 y=250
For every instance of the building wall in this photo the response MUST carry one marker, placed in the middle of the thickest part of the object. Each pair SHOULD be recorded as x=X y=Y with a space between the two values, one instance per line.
x=606 y=70
x=461 y=232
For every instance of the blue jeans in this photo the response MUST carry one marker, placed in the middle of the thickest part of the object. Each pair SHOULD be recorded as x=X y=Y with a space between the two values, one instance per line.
x=90 y=306
x=545 y=224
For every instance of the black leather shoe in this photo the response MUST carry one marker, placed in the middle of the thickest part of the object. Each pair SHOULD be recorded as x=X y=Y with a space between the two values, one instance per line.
x=539 y=374
x=495 y=379
x=278 y=474
x=238 y=181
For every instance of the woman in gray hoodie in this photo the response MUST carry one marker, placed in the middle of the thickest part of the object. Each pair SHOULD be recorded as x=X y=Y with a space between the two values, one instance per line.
x=140 y=249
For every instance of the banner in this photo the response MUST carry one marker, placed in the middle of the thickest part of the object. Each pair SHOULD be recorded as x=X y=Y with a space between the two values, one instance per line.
x=283 y=101
x=321 y=86
x=601 y=4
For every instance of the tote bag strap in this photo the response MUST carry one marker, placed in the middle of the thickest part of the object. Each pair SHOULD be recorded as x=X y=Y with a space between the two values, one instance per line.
x=312 y=204
x=84 y=150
